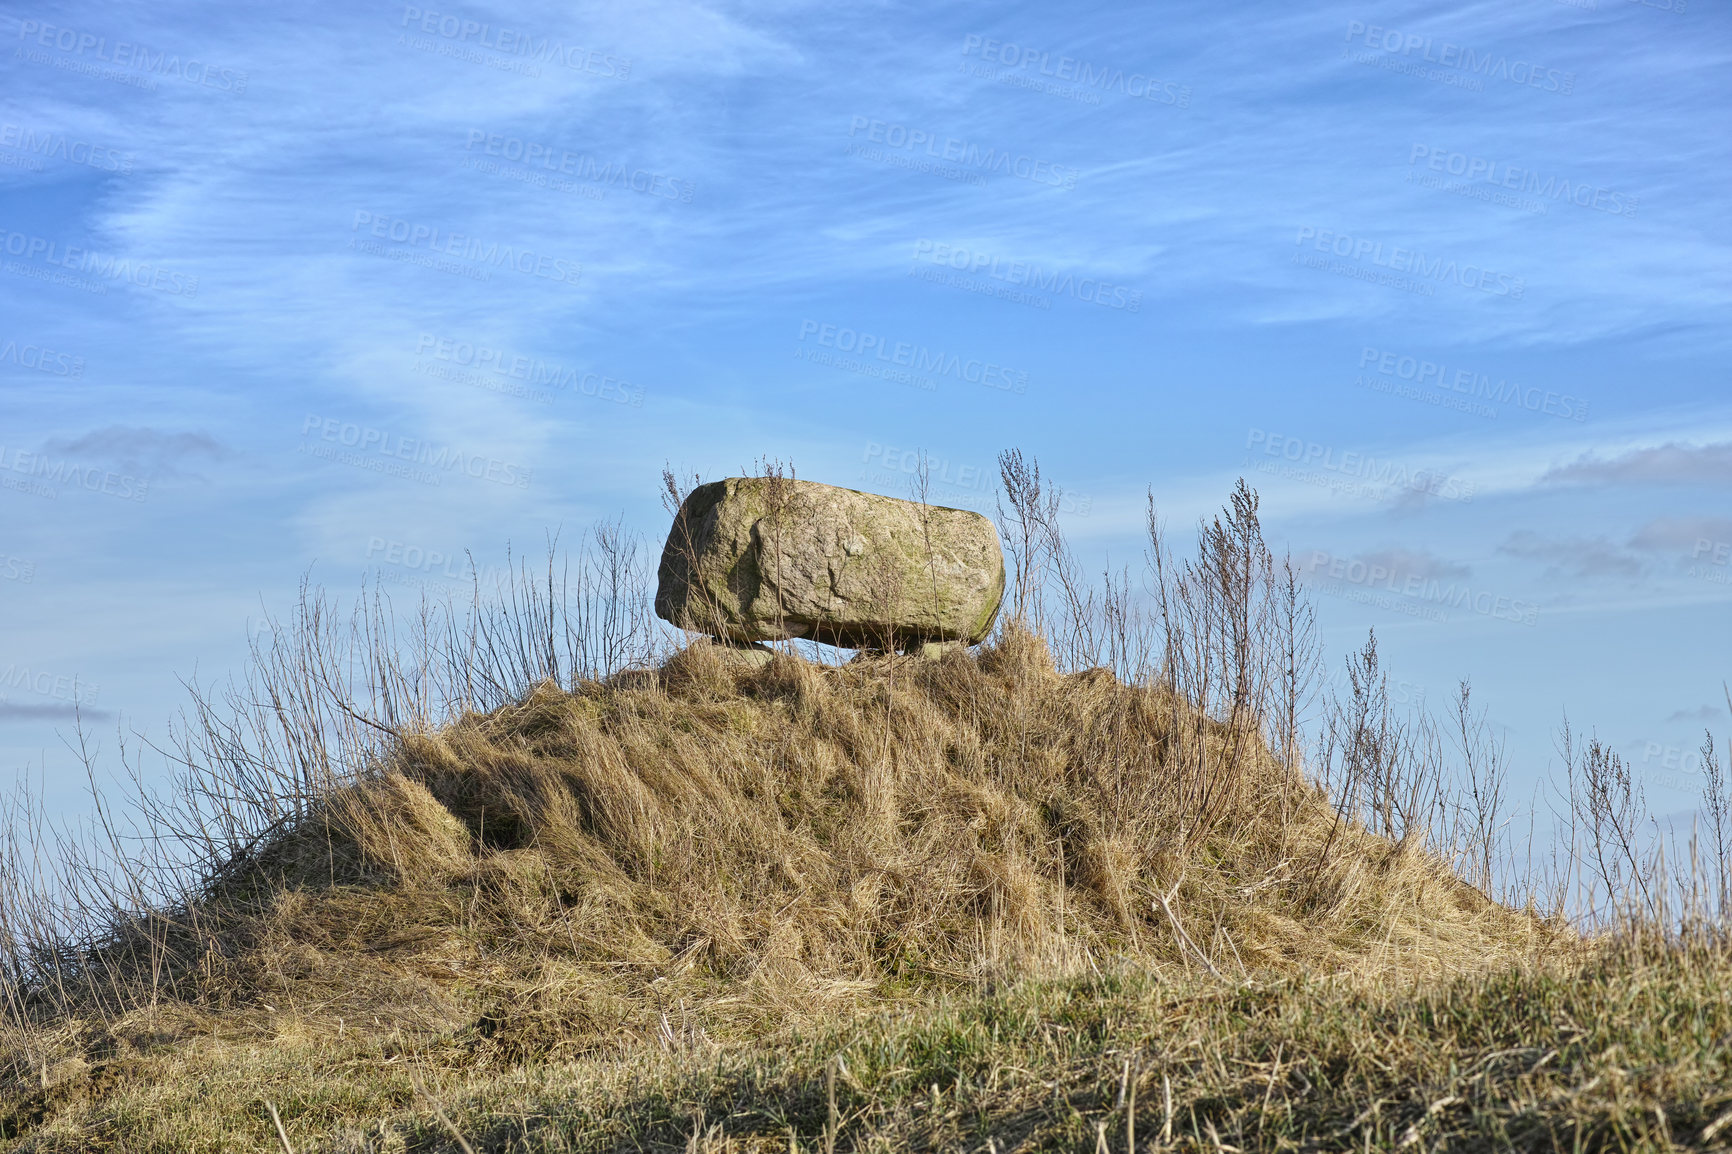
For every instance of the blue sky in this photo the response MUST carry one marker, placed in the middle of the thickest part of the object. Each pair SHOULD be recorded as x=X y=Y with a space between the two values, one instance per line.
x=304 y=290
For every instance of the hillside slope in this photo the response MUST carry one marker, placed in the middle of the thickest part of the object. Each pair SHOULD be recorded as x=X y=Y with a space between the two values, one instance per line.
x=597 y=896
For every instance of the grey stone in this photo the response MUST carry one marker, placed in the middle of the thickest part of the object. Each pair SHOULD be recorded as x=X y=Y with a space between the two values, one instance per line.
x=765 y=559
x=932 y=650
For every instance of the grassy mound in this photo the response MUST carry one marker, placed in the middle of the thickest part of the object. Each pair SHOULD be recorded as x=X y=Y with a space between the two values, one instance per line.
x=710 y=860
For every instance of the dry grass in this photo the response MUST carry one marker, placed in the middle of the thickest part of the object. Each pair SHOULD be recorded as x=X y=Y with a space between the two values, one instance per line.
x=1626 y=1051
x=716 y=856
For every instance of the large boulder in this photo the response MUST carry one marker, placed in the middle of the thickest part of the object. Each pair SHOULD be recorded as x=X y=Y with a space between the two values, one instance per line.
x=769 y=558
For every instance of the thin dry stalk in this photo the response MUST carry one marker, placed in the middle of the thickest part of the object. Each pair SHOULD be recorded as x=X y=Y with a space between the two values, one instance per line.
x=282 y=1134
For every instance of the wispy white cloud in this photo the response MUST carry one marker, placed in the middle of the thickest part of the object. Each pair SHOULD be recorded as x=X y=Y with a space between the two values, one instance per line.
x=1700 y=534
x=1674 y=463
x=1574 y=557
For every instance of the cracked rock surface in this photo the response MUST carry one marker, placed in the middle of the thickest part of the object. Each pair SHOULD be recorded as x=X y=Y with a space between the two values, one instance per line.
x=768 y=558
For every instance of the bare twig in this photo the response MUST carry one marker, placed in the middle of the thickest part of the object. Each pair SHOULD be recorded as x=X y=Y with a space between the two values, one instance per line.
x=282 y=1135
